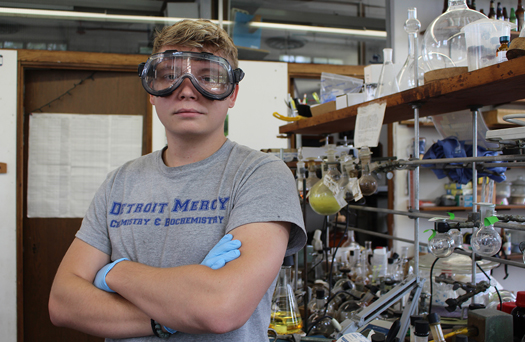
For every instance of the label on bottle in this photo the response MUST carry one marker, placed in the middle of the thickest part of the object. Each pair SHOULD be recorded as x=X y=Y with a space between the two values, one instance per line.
x=501 y=56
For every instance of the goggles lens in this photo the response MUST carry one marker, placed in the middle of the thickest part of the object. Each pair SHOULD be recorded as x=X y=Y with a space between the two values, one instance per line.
x=211 y=75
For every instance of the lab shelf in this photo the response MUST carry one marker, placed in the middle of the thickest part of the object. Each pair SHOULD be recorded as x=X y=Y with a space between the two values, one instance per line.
x=496 y=84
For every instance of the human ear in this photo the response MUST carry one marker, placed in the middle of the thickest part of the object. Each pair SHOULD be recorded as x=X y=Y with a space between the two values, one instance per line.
x=233 y=97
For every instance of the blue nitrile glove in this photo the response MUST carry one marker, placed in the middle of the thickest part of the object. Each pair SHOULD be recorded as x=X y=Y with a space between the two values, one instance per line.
x=100 y=278
x=224 y=251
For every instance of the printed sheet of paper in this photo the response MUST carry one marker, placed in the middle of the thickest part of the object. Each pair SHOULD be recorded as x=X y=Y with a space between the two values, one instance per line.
x=70 y=156
x=368 y=124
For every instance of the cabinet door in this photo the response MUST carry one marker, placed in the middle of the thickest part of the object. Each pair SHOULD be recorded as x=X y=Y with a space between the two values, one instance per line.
x=45 y=240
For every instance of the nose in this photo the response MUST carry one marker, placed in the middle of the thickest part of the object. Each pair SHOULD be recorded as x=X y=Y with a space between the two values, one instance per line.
x=186 y=90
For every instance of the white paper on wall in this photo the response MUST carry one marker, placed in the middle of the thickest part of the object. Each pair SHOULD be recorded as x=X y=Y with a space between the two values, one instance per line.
x=70 y=156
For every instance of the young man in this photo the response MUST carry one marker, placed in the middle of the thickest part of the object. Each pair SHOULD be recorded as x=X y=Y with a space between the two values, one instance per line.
x=156 y=218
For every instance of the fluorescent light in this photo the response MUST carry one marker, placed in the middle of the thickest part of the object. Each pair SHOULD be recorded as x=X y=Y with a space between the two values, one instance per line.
x=72 y=15
x=351 y=32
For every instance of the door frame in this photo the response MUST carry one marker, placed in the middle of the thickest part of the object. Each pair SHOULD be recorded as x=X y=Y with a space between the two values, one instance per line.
x=61 y=60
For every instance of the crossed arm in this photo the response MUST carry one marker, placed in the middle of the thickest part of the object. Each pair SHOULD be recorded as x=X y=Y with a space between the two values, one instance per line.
x=193 y=298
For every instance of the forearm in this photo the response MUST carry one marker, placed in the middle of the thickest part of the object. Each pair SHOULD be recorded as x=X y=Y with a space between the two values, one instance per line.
x=75 y=303
x=193 y=298
x=197 y=299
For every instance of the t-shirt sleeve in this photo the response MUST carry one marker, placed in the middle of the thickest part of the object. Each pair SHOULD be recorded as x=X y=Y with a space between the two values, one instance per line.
x=94 y=230
x=268 y=193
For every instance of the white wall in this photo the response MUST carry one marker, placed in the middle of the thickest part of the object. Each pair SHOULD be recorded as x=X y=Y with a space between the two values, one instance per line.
x=8 y=95
x=261 y=92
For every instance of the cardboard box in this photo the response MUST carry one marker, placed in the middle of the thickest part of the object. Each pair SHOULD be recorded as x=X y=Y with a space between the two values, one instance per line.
x=331 y=106
x=495 y=117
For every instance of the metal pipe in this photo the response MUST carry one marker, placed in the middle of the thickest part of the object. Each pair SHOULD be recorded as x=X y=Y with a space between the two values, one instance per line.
x=474 y=184
x=498 y=260
x=416 y=187
x=472 y=159
x=405 y=213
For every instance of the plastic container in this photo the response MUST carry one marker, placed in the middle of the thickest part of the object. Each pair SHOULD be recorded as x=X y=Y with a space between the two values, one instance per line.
x=482 y=39
x=333 y=85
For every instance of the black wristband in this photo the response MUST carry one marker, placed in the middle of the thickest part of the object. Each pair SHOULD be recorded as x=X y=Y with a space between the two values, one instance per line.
x=157 y=330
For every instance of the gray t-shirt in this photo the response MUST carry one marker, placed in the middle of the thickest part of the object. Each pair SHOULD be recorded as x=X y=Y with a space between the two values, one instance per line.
x=166 y=217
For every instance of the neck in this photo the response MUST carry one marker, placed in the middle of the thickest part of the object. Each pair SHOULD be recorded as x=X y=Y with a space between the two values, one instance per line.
x=188 y=150
x=457 y=4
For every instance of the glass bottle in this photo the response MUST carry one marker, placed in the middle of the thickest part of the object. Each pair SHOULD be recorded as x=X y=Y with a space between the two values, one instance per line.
x=407 y=77
x=492 y=12
x=505 y=14
x=520 y=16
x=513 y=19
x=405 y=262
x=325 y=196
x=367 y=182
x=387 y=78
x=435 y=327
x=285 y=316
x=499 y=12
x=421 y=332
x=486 y=241
x=501 y=52
x=473 y=5
x=444 y=44
x=413 y=320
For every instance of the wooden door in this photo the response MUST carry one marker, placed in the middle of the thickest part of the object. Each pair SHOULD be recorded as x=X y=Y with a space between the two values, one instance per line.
x=45 y=240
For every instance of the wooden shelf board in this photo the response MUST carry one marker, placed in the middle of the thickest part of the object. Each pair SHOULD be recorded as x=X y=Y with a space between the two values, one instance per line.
x=482 y=87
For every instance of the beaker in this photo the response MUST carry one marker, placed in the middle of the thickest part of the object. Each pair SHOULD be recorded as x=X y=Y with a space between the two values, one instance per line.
x=285 y=316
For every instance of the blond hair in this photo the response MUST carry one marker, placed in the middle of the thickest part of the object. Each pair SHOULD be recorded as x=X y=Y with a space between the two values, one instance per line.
x=199 y=33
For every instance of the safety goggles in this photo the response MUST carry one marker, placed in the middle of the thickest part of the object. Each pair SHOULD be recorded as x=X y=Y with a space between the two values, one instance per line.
x=211 y=75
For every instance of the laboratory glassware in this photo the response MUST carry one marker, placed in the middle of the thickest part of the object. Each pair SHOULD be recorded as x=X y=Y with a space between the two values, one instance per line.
x=406 y=78
x=387 y=78
x=444 y=44
x=325 y=196
x=367 y=182
x=486 y=241
x=285 y=316
x=441 y=245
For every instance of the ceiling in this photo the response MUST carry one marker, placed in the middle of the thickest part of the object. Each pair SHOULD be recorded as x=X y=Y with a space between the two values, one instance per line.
x=133 y=38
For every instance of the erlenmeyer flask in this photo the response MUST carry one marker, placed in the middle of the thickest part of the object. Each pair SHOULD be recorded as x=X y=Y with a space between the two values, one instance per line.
x=407 y=78
x=387 y=79
x=285 y=317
